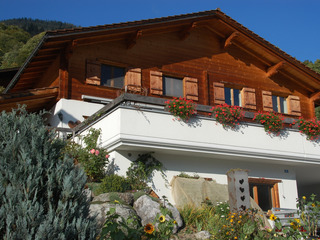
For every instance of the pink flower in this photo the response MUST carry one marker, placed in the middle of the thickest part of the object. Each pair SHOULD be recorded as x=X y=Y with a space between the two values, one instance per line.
x=97 y=152
x=107 y=156
x=92 y=151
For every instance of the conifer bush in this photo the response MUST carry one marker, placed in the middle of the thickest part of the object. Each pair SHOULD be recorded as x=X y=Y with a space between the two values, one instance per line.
x=41 y=191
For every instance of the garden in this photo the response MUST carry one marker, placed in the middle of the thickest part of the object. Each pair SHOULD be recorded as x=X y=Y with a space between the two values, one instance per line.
x=43 y=182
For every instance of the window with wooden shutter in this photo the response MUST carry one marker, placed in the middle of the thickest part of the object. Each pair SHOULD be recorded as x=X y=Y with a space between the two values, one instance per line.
x=218 y=93
x=93 y=73
x=294 y=105
x=267 y=101
x=191 y=88
x=156 y=86
x=249 y=98
x=133 y=80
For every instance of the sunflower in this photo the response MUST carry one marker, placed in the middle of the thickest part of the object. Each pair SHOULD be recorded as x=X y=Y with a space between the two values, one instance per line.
x=273 y=217
x=149 y=228
x=162 y=218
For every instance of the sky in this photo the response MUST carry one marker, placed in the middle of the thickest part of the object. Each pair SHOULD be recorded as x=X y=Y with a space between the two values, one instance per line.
x=291 y=25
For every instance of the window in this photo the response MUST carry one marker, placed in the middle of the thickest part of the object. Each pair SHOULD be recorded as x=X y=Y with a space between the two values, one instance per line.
x=246 y=97
x=112 y=76
x=265 y=192
x=172 y=86
x=232 y=96
x=161 y=84
x=279 y=104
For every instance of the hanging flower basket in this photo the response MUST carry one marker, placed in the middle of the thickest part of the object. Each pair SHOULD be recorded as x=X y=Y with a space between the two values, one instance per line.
x=181 y=108
x=228 y=116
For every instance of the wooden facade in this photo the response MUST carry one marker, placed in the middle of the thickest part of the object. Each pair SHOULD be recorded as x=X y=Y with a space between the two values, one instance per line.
x=207 y=51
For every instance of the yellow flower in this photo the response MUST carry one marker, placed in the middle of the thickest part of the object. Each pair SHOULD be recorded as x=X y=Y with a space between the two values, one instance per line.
x=313 y=205
x=239 y=221
x=231 y=220
x=273 y=217
x=174 y=222
x=149 y=228
x=297 y=220
x=116 y=201
x=240 y=216
x=304 y=197
x=235 y=238
x=162 y=218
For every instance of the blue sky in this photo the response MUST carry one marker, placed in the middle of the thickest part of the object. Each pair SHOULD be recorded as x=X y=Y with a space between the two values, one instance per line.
x=291 y=25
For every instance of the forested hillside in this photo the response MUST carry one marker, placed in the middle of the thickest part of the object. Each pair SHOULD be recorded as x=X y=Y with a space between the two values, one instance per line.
x=18 y=38
x=36 y=26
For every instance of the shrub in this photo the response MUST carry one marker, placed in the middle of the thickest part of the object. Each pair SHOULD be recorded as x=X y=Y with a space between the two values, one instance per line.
x=42 y=192
x=271 y=121
x=228 y=116
x=114 y=183
x=92 y=158
x=141 y=171
x=181 y=108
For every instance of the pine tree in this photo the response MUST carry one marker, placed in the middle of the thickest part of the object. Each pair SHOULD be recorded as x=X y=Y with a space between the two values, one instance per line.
x=41 y=191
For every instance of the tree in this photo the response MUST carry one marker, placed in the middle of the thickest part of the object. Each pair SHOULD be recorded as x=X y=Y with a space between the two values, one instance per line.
x=19 y=54
x=41 y=191
x=314 y=66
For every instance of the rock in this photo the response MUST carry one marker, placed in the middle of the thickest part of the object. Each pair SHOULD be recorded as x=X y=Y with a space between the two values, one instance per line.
x=175 y=214
x=147 y=210
x=107 y=197
x=203 y=235
x=100 y=210
x=88 y=194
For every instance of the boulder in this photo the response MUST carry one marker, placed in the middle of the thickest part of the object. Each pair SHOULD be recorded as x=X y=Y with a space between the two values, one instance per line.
x=101 y=209
x=148 y=209
x=203 y=235
x=107 y=197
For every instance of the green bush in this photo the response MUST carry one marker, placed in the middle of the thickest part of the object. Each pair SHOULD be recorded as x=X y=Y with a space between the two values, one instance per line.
x=114 y=183
x=91 y=158
x=41 y=190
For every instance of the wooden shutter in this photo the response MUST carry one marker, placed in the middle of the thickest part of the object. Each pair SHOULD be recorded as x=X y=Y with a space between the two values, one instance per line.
x=191 y=88
x=267 y=101
x=156 y=83
x=218 y=93
x=249 y=98
x=93 y=74
x=133 y=80
x=294 y=105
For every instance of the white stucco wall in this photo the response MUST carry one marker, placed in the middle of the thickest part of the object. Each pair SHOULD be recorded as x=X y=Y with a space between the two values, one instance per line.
x=71 y=110
x=216 y=169
x=206 y=148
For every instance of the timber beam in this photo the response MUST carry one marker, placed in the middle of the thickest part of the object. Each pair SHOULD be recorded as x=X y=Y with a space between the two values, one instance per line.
x=132 y=40
x=275 y=68
x=315 y=96
x=229 y=39
x=186 y=31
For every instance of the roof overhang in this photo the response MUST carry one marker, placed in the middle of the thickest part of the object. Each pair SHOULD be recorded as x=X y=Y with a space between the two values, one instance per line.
x=33 y=99
x=231 y=32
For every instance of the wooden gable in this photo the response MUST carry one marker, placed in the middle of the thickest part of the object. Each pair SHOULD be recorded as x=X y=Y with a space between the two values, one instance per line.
x=191 y=47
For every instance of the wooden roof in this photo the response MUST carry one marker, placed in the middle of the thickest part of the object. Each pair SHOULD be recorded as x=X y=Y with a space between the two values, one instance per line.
x=59 y=42
x=35 y=99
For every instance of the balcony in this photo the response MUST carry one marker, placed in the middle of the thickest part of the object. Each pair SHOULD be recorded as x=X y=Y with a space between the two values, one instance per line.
x=134 y=123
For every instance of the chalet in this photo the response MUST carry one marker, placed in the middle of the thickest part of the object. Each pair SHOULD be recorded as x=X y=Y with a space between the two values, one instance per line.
x=120 y=76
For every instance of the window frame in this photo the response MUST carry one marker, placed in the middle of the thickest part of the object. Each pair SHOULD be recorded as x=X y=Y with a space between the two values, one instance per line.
x=113 y=79
x=274 y=190
x=232 y=95
x=164 y=90
x=277 y=106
